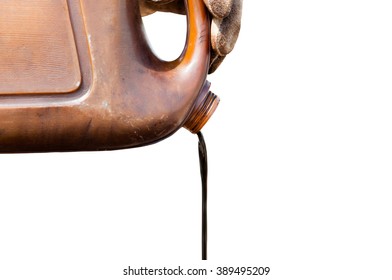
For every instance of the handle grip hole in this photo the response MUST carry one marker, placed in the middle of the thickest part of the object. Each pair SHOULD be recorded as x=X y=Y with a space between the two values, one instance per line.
x=166 y=34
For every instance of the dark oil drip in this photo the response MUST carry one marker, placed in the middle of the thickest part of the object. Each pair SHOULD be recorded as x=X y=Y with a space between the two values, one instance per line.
x=203 y=173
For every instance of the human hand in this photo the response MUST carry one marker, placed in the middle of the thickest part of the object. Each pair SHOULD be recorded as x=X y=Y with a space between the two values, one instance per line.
x=225 y=25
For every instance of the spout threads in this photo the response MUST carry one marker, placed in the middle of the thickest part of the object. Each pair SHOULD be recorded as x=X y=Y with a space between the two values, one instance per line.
x=203 y=110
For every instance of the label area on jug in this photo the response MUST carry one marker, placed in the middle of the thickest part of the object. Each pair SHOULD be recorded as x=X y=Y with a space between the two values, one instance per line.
x=37 y=48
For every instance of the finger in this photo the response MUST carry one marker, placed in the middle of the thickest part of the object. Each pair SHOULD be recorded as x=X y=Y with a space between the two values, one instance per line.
x=219 y=8
x=145 y=10
x=150 y=6
x=215 y=62
x=224 y=32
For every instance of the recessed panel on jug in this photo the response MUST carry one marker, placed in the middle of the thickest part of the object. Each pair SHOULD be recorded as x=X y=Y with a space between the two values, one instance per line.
x=37 y=48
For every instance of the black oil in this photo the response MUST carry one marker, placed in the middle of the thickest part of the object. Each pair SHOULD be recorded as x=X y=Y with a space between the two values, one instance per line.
x=204 y=174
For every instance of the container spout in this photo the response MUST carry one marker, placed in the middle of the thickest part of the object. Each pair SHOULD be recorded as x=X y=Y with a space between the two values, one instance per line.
x=205 y=106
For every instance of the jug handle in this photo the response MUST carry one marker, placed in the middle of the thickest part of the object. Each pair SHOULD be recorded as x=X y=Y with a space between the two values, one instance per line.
x=194 y=59
x=198 y=34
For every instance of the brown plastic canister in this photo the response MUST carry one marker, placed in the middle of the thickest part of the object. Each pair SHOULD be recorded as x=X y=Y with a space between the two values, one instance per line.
x=79 y=75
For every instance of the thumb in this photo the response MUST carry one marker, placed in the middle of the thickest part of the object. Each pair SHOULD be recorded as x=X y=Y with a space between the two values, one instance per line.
x=219 y=8
x=224 y=32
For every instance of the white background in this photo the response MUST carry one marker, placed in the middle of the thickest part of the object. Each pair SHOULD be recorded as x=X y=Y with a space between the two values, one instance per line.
x=300 y=157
